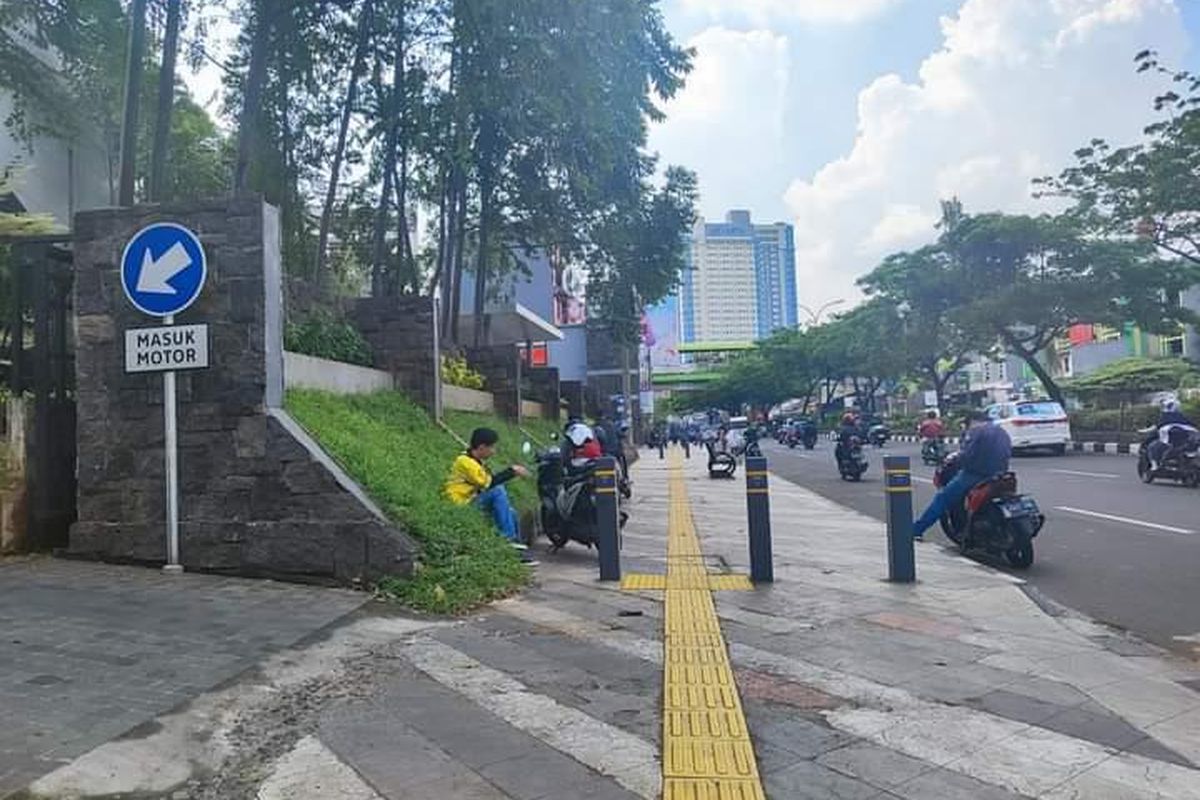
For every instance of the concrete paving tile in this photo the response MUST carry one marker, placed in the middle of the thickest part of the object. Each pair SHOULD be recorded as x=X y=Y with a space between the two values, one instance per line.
x=465 y=786
x=539 y=775
x=1093 y=723
x=786 y=729
x=942 y=784
x=1015 y=706
x=876 y=765
x=809 y=780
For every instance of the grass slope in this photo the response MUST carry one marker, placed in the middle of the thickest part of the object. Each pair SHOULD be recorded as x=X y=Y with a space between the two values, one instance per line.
x=395 y=451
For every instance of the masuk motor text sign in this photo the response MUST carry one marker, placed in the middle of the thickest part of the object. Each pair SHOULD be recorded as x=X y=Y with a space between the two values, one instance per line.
x=166 y=348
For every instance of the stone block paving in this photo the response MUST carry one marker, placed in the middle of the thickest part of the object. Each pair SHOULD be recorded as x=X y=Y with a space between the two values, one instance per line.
x=957 y=687
x=89 y=651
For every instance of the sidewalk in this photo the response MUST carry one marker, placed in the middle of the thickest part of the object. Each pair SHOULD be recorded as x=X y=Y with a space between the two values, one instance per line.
x=958 y=687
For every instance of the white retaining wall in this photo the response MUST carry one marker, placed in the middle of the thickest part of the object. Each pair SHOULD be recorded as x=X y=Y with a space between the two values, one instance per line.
x=309 y=372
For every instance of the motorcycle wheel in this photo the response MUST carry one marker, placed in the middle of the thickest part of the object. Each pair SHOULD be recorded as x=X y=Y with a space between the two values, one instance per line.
x=808 y=446
x=947 y=527
x=552 y=530
x=1144 y=471
x=1021 y=556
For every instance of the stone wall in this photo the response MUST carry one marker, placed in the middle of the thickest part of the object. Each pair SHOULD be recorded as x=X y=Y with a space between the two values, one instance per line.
x=546 y=389
x=501 y=369
x=402 y=332
x=257 y=496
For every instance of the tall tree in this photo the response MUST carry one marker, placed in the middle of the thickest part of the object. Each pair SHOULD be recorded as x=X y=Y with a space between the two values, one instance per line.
x=926 y=287
x=134 y=72
x=166 y=99
x=357 y=70
x=1032 y=278
x=1151 y=188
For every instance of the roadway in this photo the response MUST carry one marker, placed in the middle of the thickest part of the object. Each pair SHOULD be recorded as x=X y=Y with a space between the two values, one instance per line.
x=1113 y=548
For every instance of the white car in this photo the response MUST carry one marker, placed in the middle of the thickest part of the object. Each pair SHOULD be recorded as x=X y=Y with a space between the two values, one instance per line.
x=1033 y=424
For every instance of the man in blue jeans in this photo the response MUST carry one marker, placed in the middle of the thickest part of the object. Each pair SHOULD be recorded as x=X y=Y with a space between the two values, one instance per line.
x=471 y=481
x=984 y=452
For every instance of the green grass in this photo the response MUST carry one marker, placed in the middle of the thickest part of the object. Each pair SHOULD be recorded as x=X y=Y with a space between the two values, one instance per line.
x=400 y=457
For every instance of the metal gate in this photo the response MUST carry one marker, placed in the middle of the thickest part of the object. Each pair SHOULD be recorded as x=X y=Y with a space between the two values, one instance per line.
x=42 y=367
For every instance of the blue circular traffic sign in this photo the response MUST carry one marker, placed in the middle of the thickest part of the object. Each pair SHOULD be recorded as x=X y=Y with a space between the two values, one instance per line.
x=163 y=269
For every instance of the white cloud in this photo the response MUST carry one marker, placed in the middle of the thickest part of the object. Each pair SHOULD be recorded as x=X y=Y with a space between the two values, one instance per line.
x=761 y=12
x=730 y=117
x=1017 y=86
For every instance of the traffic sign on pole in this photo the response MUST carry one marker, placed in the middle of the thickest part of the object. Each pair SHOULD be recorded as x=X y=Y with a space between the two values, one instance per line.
x=163 y=270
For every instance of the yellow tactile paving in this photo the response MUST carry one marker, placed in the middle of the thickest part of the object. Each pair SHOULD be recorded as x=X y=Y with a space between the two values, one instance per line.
x=707 y=752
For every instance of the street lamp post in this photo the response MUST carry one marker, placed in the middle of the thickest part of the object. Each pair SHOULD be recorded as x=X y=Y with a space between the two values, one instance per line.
x=814 y=317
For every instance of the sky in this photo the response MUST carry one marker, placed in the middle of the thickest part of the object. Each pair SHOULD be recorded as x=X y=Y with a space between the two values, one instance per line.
x=852 y=119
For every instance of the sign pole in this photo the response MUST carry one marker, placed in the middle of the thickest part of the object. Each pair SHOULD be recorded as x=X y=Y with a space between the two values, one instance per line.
x=163 y=269
x=171 y=453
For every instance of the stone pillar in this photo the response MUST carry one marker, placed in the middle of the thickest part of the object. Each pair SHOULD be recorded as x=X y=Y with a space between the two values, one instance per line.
x=402 y=332
x=500 y=366
x=546 y=388
x=257 y=495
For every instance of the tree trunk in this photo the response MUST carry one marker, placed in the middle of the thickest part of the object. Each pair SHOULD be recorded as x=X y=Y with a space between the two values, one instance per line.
x=133 y=92
x=460 y=254
x=486 y=177
x=256 y=76
x=166 y=101
x=379 y=237
x=1040 y=371
x=356 y=70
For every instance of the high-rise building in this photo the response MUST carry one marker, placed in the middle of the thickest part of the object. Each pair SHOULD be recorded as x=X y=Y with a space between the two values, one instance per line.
x=740 y=285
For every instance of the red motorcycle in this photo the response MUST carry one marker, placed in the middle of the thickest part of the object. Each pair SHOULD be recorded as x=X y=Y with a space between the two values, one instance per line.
x=993 y=517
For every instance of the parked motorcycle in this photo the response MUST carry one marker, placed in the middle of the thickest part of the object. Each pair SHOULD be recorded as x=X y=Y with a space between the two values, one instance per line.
x=933 y=452
x=879 y=434
x=852 y=463
x=1180 y=462
x=993 y=517
x=568 y=499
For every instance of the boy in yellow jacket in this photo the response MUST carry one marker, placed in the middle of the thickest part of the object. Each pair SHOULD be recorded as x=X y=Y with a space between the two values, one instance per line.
x=471 y=481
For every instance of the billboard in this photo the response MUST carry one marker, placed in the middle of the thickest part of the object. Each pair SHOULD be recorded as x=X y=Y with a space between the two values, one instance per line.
x=570 y=291
x=660 y=334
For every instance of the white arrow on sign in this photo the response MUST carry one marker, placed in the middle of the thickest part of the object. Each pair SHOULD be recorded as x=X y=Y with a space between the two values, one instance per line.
x=156 y=272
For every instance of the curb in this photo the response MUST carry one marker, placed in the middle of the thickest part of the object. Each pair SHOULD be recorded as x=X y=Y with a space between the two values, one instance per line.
x=1106 y=448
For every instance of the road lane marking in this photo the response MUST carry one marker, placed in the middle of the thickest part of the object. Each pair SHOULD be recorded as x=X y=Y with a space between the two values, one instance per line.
x=1085 y=474
x=1126 y=520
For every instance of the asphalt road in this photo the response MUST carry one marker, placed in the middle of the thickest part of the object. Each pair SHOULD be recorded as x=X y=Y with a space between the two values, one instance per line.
x=1113 y=548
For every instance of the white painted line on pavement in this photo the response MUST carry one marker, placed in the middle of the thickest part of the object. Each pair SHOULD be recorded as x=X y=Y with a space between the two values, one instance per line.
x=630 y=760
x=919 y=479
x=1126 y=520
x=1085 y=474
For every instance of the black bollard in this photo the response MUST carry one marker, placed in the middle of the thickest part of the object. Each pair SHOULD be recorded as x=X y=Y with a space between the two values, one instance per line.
x=902 y=562
x=758 y=509
x=608 y=537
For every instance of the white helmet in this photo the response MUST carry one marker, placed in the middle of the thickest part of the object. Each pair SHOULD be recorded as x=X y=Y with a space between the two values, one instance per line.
x=1170 y=405
x=580 y=434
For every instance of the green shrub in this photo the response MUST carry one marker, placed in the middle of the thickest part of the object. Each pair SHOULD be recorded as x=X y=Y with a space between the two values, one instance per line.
x=457 y=372
x=324 y=335
x=396 y=452
x=1111 y=419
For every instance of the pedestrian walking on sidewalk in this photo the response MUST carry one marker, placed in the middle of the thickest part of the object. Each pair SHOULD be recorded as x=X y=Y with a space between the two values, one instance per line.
x=471 y=481
x=985 y=452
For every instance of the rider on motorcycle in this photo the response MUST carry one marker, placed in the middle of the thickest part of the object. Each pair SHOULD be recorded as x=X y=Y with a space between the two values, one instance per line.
x=985 y=451
x=931 y=430
x=849 y=429
x=1173 y=425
